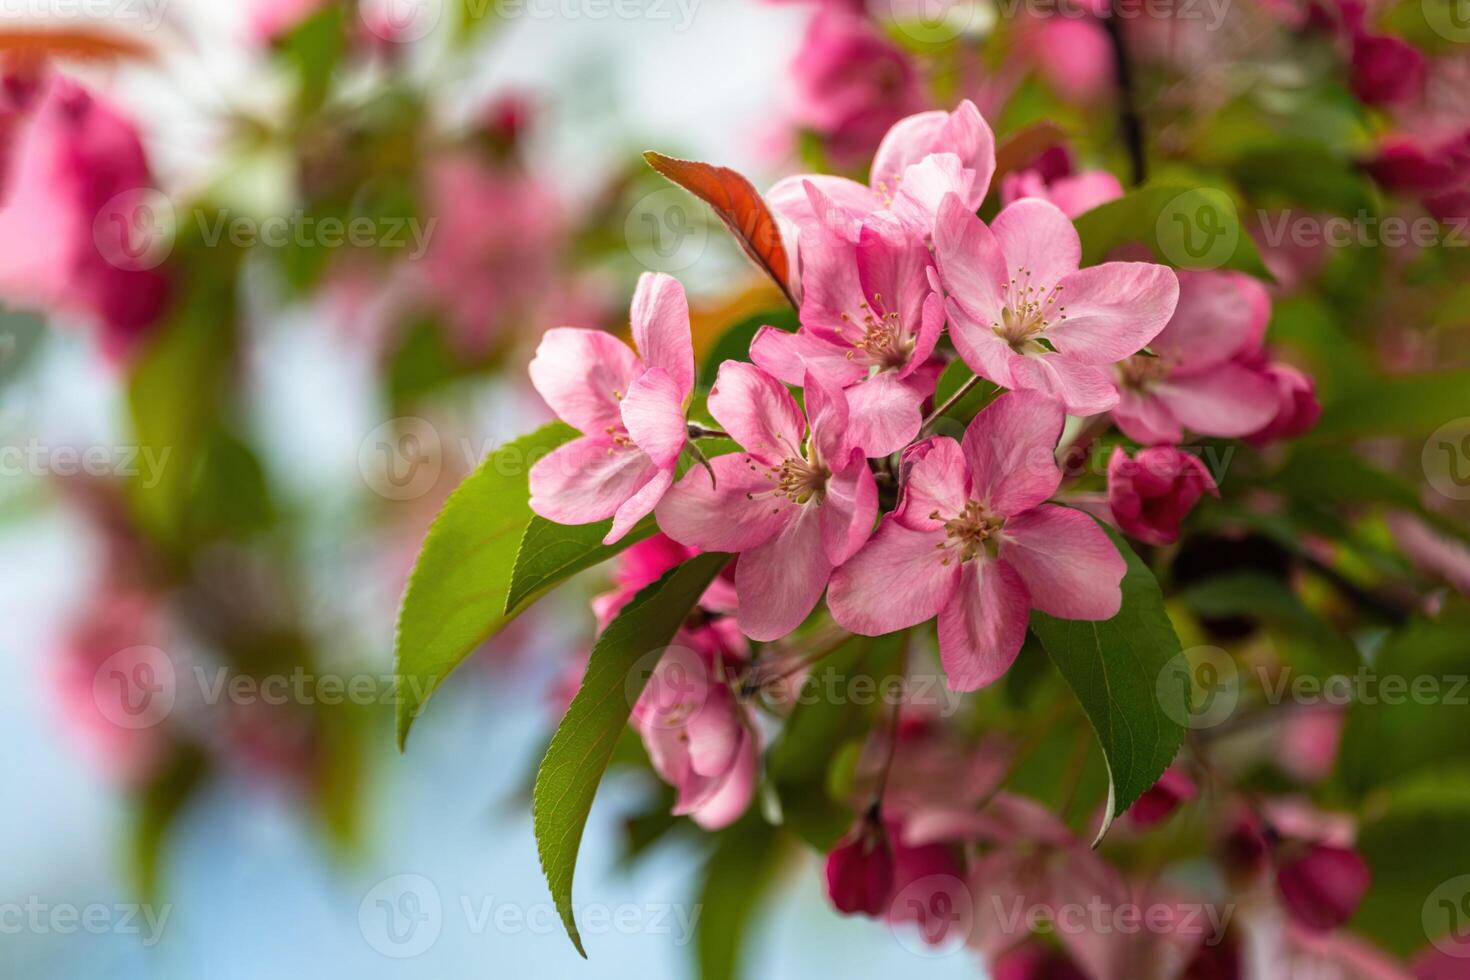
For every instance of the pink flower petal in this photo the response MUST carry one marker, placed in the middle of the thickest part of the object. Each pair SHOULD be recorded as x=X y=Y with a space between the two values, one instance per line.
x=587 y=480
x=1219 y=315
x=828 y=415
x=725 y=516
x=1114 y=310
x=849 y=509
x=653 y=413
x=639 y=506
x=1227 y=401
x=936 y=482
x=1143 y=416
x=1069 y=565
x=1084 y=389
x=971 y=264
x=789 y=356
x=896 y=581
x=982 y=627
x=982 y=350
x=1040 y=245
x=963 y=132
x=893 y=270
x=660 y=320
x=886 y=412
x=1010 y=448
x=736 y=791
x=582 y=375
x=789 y=198
x=923 y=188
x=780 y=581
x=757 y=411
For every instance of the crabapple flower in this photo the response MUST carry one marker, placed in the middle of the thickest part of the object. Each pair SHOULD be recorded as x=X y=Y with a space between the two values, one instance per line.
x=699 y=736
x=973 y=543
x=1296 y=407
x=74 y=233
x=860 y=870
x=1197 y=380
x=870 y=321
x=629 y=409
x=1151 y=494
x=1431 y=552
x=1024 y=315
x=922 y=158
x=1386 y=69
x=1161 y=799
x=797 y=503
x=1073 y=193
x=1323 y=886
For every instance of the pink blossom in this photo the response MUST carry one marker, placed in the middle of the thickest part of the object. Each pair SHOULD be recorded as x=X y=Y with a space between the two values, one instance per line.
x=630 y=411
x=851 y=83
x=1024 y=315
x=699 y=737
x=1431 y=552
x=1161 y=799
x=1297 y=409
x=922 y=158
x=1152 y=494
x=870 y=321
x=798 y=502
x=973 y=543
x=1430 y=164
x=860 y=870
x=1321 y=884
x=1386 y=69
x=1074 y=194
x=1196 y=379
x=72 y=234
x=1072 y=54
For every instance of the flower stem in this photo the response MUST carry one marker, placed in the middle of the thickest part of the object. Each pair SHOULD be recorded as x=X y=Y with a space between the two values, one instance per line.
x=1129 y=121
x=698 y=431
x=950 y=402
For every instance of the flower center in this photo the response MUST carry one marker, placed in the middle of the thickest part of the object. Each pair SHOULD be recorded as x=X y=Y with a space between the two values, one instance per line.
x=884 y=342
x=1029 y=309
x=973 y=532
x=796 y=478
x=1141 y=371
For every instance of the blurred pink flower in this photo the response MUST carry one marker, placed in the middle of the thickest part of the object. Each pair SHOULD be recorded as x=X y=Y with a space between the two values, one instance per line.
x=77 y=225
x=1161 y=799
x=1297 y=407
x=1151 y=494
x=1074 y=194
x=1386 y=69
x=1431 y=552
x=859 y=870
x=1072 y=54
x=271 y=20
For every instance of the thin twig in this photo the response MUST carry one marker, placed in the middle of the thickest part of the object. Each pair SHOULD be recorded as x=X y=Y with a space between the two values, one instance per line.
x=1129 y=121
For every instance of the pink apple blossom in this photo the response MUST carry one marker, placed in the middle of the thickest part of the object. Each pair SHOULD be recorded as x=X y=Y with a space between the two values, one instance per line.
x=870 y=321
x=1024 y=315
x=1197 y=379
x=75 y=230
x=699 y=736
x=1386 y=69
x=1161 y=799
x=1151 y=494
x=798 y=502
x=973 y=543
x=922 y=158
x=629 y=409
x=1432 y=552
x=1321 y=884
x=860 y=870
x=1297 y=409
x=1073 y=193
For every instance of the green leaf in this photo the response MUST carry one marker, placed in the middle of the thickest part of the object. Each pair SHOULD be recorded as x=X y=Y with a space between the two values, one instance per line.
x=550 y=553
x=584 y=741
x=1131 y=679
x=158 y=805
x=734 y=343
x=455 y=598
x=1185 y=227
x=737 y=878
x=1403 y=405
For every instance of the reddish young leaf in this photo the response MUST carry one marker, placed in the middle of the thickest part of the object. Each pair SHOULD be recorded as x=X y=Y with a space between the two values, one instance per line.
x=73 y=42
x=1019 y=150
x=738 y=205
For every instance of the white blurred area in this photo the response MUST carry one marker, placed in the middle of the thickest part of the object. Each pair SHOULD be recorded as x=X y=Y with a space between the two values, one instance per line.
x=251 y=891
